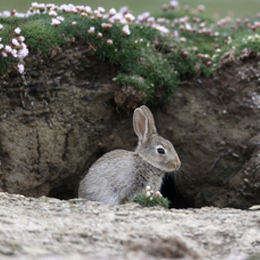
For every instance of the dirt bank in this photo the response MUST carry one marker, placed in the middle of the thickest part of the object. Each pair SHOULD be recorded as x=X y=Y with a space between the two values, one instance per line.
x=61 y=116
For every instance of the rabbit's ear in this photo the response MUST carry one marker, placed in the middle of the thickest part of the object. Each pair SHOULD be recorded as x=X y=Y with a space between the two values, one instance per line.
x=151 y=123
x=143 y=123
x=140 y=124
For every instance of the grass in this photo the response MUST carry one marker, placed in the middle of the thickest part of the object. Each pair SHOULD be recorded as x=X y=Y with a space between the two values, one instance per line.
x=179 y=45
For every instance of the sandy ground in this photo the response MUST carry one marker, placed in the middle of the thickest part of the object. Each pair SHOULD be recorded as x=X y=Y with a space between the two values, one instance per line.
x=47 y=228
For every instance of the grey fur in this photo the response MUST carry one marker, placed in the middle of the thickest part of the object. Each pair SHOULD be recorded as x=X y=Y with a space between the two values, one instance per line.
x=119 y=175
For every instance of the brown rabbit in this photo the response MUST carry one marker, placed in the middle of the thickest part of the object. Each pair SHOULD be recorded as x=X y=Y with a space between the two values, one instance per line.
x=119 y=175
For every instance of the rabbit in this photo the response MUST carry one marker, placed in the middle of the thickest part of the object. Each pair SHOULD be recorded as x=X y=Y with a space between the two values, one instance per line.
x=119 y=175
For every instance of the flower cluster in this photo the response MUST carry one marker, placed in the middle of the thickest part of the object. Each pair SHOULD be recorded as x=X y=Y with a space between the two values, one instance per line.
x=124 y=15
x=151 y=198
x=188 y=41
x=252 y=38
x=16 y=49
x=150 y=194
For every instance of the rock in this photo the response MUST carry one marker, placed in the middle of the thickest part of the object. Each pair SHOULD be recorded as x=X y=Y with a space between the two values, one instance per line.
x=255 y=207
x=129 y=97
x=41 y=229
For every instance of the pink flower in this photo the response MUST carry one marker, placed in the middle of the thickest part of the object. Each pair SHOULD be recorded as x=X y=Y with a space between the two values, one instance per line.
x=186 y=8
x=148 y=194
x=126 y=30
x=21 y=39
x=41 y=7
x=17 y=30
x=6 y=13
x=148 y=188
x=182 y=28
x=14 y=53
x=118 y=17
x=55 y=22
x=110 y=42
x=15 y=42
x=50 y=6
x=208 y=63
x=80 y=8
x=164 y=7
x=151 y=20
x=101 y=9
x=184 y=19
x=174 y=4
x=196 y=19
x=4 y=54
x=158 y=194
x=112 y=12
x=83 y=14
x=175 y=34
x=20 y=68
x=129 y=17
x=1 y=27
x=91 y=30
x=96 y=12
x=162 y=29
x=201 y=56
x=143 y=17
x=201 y=8
x=60 y=18
x=111 y=21
x=124 y=10
x=35 y=5
x=23 y=52
x=8 y=49
x=99 y=35
x=52 y=13
x=106 y=25
x=70 y=8
x=88 y=10
x=160 y=20
x=185 y=54
x=99 y=16
x=74 y=23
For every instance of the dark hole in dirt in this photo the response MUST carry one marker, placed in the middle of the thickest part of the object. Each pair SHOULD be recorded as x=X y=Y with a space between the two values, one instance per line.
x=171 y=191
x=68 y=189
x=65 y=190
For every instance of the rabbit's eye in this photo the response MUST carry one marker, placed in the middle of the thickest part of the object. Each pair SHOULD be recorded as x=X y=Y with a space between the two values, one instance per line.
x=160 y=151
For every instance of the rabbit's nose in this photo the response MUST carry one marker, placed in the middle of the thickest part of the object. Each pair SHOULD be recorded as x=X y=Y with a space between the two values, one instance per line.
x=174 y=164
x=177 y=164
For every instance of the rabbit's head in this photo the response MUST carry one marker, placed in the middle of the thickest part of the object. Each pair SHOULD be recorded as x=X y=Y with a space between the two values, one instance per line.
x=153 y=148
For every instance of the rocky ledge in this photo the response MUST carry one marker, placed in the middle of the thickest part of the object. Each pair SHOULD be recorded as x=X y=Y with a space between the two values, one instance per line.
x=48 y=228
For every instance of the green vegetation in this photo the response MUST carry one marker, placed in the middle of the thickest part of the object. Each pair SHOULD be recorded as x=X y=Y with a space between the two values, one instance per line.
x=153 y=54
x=151 y=199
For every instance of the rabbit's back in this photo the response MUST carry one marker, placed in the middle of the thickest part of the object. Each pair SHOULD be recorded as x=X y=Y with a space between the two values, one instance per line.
x=107 y=177
x=117 y=177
